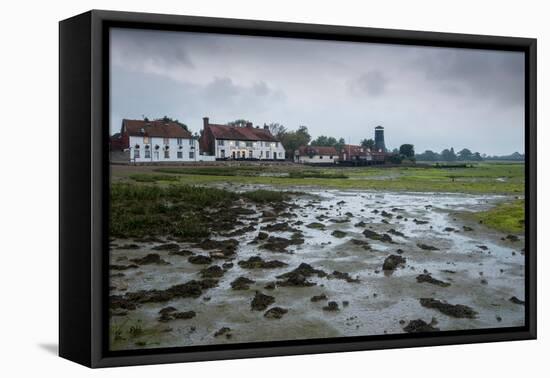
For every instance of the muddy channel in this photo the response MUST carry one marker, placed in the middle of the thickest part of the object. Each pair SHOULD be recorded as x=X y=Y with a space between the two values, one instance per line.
x=335 y=263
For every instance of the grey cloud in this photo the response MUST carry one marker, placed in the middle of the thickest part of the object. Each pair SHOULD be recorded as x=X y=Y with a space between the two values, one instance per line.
x=496 y=76
x=372 y=83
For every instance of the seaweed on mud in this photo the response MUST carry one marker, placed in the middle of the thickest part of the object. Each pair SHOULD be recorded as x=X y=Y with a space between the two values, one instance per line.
x=331 y=306
x=516 y=300
x=456 y=311
x=376 y=236
x=151 y=258
x=261 y=301
x=275 y=313
x=167 y=247
x=392 y=262
x=429 y=279
x=213 y=271
x=316 y=226
x=278 y=227
x=200 y=259
x=343 y=276
x=241 y=283
x=427 y=247
x=256 y=262
x=396 y=233
x=123 y=267
x=224 y=331
x=320 y=297
x=419 y=325
x=338 y=234
x=190 y=289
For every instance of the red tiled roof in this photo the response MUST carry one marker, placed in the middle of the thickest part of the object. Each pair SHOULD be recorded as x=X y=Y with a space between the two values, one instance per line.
x=314 y=150
x=155 y=129
x=241 y=133
x=355 y=150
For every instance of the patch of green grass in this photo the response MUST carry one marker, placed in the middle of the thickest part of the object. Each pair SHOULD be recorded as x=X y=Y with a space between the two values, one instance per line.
x=177 y=210
x=144 y=177
x=215 y=171
x=317 y=174
x=506 y=217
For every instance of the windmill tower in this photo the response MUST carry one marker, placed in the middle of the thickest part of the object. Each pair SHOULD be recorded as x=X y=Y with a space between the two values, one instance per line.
x=379 y=143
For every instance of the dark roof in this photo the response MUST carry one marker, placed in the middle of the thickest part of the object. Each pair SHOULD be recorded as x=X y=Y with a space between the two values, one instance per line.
x=241 y=133
x=314 y=150
x=353 y=149
x=158 y=128
x=379 y=127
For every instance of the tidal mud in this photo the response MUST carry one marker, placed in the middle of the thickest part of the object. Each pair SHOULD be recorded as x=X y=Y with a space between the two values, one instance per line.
x=329 y=263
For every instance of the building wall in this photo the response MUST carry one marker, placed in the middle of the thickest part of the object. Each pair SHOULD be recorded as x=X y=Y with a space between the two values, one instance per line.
x=317 y=159
x=159 y=155
x=252 y=150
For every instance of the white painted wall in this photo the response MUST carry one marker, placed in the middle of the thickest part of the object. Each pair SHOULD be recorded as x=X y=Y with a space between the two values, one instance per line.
x=260 y=150
x=318 y=159
x=157 y=156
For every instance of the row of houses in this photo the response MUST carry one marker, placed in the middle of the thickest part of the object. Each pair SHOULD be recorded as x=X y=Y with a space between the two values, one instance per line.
x=145 y=141
x=348 y=154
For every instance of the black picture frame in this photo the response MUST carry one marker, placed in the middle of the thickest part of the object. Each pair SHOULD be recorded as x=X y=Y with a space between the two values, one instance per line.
x=84 y=180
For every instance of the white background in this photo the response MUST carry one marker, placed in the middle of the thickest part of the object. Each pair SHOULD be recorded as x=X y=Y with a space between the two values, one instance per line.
x=29 y=186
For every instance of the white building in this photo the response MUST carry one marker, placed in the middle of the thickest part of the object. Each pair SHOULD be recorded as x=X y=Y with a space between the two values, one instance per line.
x=240 y=142
x=144 y=141
x=316 y=155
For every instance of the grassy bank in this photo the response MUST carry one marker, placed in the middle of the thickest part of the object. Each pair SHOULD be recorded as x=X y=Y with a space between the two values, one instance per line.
x=139 y=210
x=476 y=179
x=506 y=217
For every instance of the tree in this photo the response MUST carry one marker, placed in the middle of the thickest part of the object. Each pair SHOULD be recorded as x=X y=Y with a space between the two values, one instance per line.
x=448 y=155
x=428 y=155
x=167 y=119
x=465 y=154
x=340 y=144
x=368 y=143
x=238 y=122
x=324 y=141
x=476 y=156
x=276 y=129
x=291 y=140
x=407 y=150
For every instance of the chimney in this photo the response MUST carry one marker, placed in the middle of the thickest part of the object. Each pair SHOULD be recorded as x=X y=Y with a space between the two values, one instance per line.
x=249 y=124
x=205 y=122
x=266 y=127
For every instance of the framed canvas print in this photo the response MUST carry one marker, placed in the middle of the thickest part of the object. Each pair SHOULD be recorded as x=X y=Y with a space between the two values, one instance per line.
x=234 y=188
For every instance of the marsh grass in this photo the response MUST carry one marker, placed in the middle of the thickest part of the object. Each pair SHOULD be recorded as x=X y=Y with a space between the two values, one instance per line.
x=144 y=177
x=175 y=210
x=506 y=217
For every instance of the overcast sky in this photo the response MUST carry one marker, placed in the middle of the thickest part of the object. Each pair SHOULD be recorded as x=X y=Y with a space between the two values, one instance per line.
x=434 y=98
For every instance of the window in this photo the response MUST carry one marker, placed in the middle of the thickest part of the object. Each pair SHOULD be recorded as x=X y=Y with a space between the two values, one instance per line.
x=277 y=144
x=191 y=141
x=156 y=156
x=242 y=154
x=147 y=154
x=167 y=154
x=267 y=154
x=191 y=154
x=248 y=144
x=145 y=140
x=330 y=157
x=136 y=154
x=321 y=157
x=220 y=142
x=275 y=156
x=180 y=141
x=166 y=140
x=250 y=154
x=222 y=154
x=180 y=155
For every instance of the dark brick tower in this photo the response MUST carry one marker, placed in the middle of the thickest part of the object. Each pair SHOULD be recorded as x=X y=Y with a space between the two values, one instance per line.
x=379 y=143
